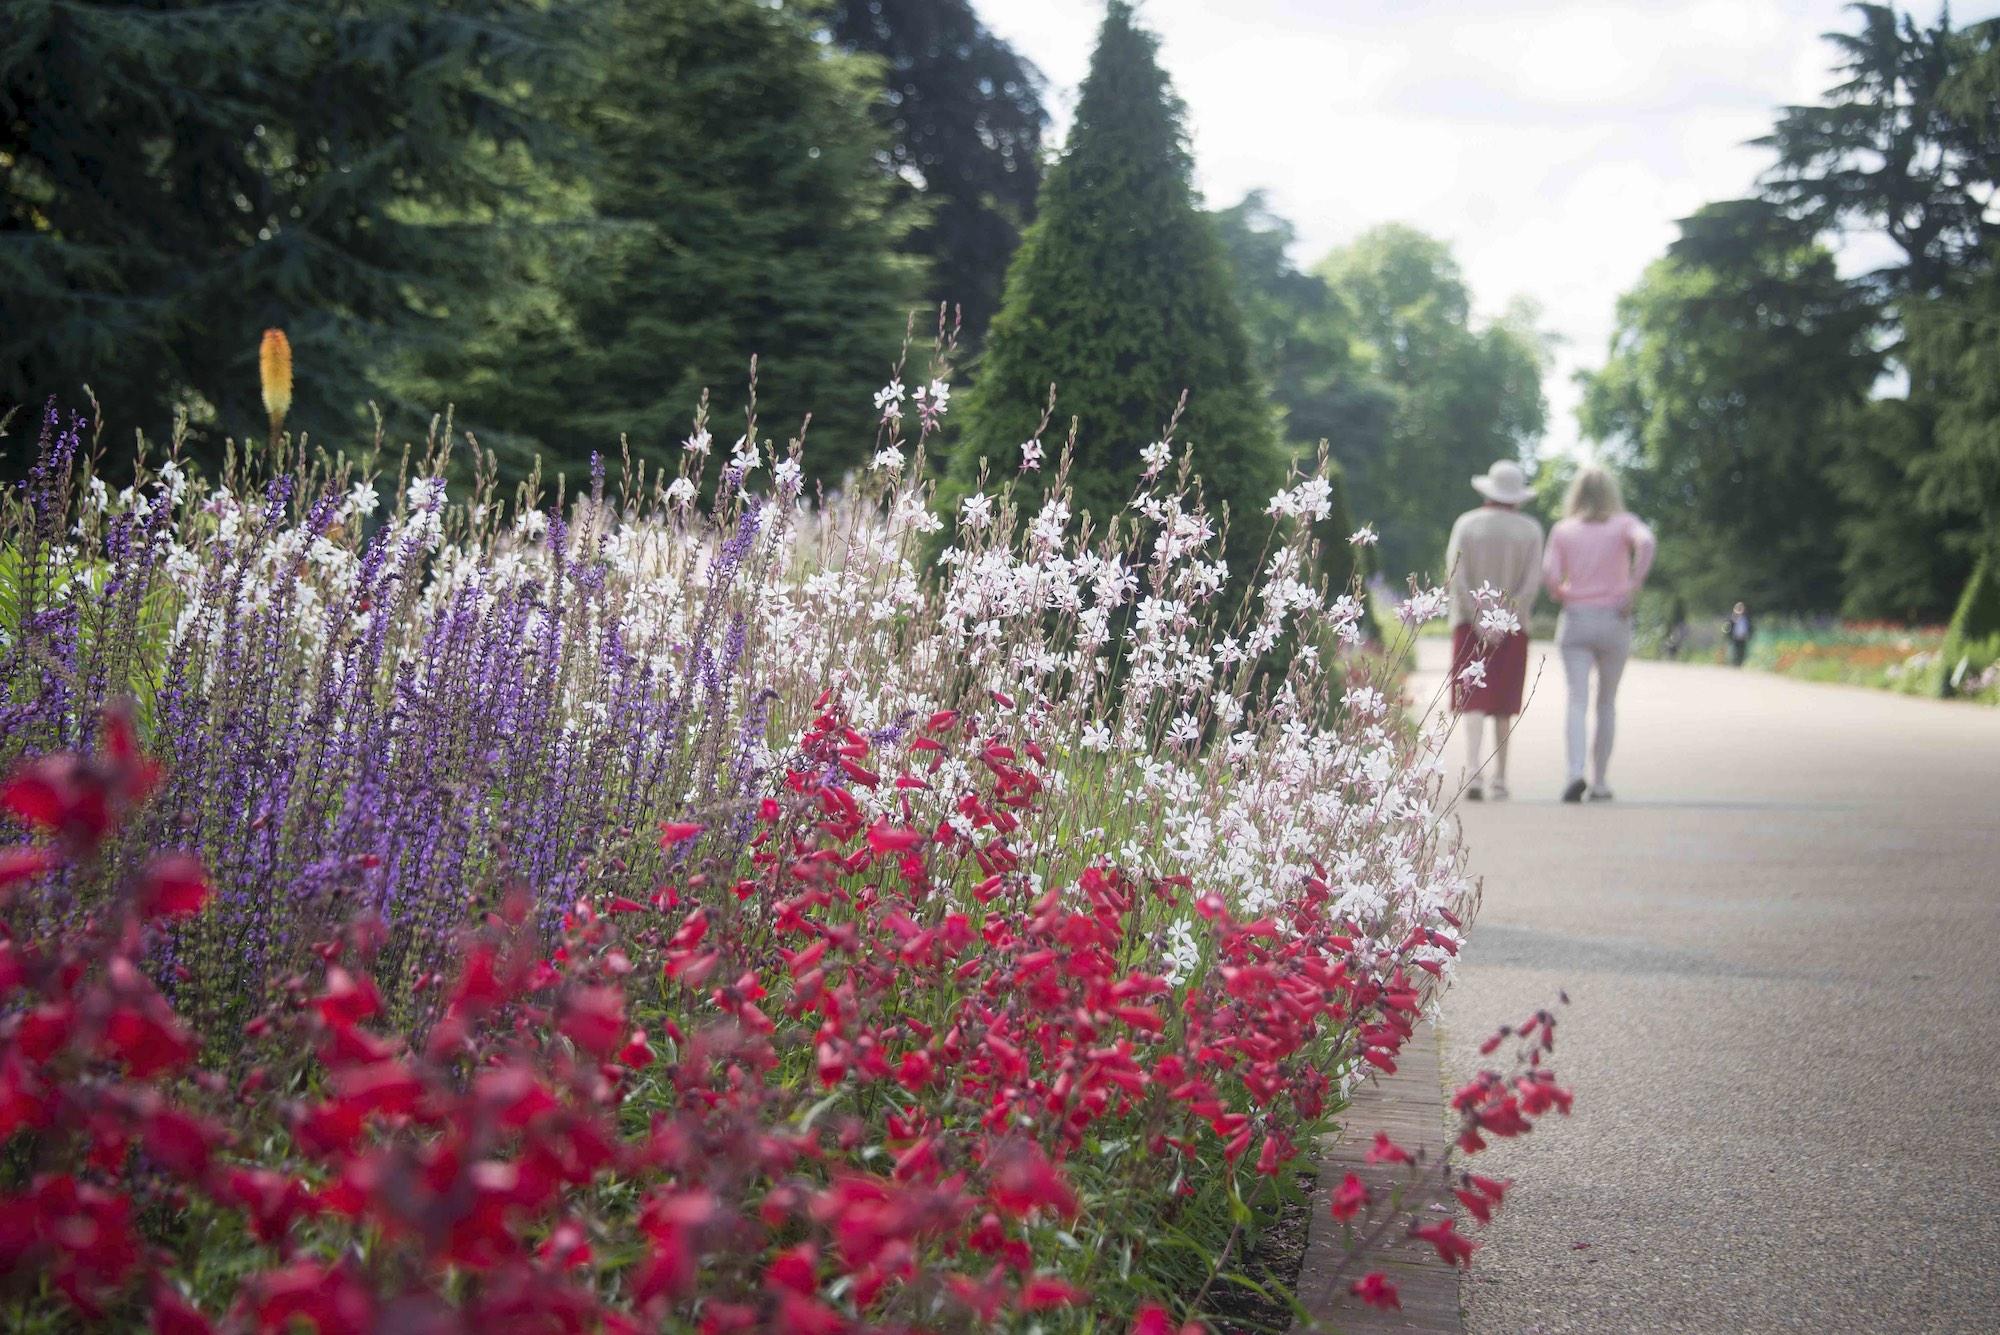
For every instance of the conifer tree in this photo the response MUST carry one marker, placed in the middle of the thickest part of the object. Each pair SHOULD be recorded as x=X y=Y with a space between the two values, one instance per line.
x=1120 y=297
x=740 y=208
x=175 y=177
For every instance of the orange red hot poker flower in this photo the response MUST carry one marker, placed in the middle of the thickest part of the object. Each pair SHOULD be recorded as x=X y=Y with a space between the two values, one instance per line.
x=274 y=374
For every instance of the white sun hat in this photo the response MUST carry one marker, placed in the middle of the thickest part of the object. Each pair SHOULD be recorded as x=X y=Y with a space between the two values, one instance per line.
x=1505 y=483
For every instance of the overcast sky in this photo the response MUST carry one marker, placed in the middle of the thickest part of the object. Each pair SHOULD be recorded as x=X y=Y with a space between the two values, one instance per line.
x=1553 y=144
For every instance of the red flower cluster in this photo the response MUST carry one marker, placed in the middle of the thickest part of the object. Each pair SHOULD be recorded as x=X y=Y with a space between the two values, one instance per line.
x=850 y=1091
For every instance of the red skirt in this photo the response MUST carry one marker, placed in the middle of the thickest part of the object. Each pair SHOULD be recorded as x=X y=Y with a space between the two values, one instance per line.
x=1506 y=662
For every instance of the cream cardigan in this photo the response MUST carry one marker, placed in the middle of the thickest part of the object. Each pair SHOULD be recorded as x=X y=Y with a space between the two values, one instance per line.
x=1494 y=546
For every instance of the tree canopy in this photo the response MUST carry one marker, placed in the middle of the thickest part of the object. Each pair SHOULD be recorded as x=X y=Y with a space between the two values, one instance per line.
x=965 y=120
x=1736 y=361
x=1459 y=394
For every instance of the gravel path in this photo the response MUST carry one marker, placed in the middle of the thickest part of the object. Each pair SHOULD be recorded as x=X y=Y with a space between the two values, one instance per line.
x=1782 y=945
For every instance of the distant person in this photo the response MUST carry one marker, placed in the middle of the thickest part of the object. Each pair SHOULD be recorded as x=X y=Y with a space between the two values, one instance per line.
x=1498 y=547
x=1677 y=629
x=1738 y=630
x=1597 y=559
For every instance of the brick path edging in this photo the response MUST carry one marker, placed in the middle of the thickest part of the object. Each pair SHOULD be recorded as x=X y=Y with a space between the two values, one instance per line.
x=1409 y=1105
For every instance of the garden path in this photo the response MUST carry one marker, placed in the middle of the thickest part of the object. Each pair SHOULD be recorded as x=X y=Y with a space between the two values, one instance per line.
x=1782 y=945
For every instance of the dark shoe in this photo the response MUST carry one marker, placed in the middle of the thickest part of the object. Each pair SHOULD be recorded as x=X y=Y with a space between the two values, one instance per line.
x=1475 y=794
x=1574 y=793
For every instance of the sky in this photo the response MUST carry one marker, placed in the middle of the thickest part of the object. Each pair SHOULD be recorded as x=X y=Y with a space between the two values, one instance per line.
x=1553 y=144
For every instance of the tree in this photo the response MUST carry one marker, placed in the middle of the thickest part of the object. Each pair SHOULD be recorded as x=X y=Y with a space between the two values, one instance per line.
x=1119 y=296
x=1731 y=361
x=1460 y=397
x=1303 y=338
x=737 y=208
x=176 y=176
x=1888 y=151
x=965 y=119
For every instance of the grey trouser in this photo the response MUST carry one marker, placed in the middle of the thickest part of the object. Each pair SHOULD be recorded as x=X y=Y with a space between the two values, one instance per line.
x=1588 y=637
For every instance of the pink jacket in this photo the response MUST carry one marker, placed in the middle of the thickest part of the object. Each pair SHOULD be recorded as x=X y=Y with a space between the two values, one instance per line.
x=1599 y=564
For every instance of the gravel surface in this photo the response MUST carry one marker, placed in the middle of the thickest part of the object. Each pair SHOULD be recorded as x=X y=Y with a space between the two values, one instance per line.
x=1782 y=945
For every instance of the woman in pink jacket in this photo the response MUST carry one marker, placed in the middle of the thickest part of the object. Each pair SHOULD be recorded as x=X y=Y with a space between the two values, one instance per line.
x=1597 y=558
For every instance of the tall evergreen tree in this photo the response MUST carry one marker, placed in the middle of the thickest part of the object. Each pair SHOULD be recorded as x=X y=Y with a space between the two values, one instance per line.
x=965 y=119
x=739 y=209
x=1120 y=298
x=176 y=176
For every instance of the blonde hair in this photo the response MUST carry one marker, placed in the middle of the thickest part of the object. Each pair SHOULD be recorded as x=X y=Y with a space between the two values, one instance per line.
x=1593 y=496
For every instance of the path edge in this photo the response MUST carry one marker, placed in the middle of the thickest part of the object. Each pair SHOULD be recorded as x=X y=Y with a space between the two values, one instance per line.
x=1409 y=1105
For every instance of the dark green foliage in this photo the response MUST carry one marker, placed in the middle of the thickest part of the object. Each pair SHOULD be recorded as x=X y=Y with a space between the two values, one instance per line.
x=739 y=208
x=1952 y=346
x=1732 y=361
x=175 y=176
x=1303 y=339
x=1978 y=614
x=965 y=120
x=1895 y=562
x=1120 y=297
x=1458 y=397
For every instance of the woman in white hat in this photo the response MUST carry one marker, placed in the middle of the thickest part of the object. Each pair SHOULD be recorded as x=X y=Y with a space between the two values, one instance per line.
x=1494 y=560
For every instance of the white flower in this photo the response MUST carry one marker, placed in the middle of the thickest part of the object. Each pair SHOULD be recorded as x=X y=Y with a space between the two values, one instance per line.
x=744 y=455
x=934 y=401
x=890 y=459
x=1498 y=621
x=362 y=499
x=1155 y=457
x=976 y=510
x=100 y=495
x=1365 y=536
x=889 y=401
x=680 y=495
x=1096 y=737
x=1312 y=498
x=1474 y=673
x=427 y=494
x=1031 y=455
x=531 y=524
x=789 y=476
x=1423 y=605
x=699 y=442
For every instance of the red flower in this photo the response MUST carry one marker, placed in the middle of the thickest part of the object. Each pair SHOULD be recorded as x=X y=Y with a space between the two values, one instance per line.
x=347 y=999
x=1024 y=1180
x=1452 y=1246
x=677 y=832
x=593 y=1018
x=24 y=862
x=1046 y=1291
x=1375 y=1289
x=1350 y=1199
x=329 y=1298
x=82 y=797
x=1385 y=1150
x=173 y=885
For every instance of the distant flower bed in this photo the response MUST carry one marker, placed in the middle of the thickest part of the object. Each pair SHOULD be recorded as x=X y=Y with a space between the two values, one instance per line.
x=1885 y=655
x=682 y=906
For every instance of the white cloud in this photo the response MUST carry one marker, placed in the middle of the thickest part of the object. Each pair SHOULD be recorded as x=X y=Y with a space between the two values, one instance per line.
x=1553 y=144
